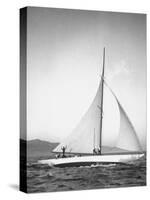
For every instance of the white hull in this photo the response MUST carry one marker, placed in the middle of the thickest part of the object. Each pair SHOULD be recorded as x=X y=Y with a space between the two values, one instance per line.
x=89 y=160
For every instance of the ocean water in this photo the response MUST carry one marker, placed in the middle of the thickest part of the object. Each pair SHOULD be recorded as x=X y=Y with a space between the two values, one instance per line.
x=42 y=178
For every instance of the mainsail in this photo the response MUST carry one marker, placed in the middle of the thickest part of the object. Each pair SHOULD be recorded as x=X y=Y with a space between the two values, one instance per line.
x=81 y=138
x=117 y=134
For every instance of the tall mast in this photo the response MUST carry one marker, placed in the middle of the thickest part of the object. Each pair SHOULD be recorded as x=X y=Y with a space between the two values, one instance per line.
x=101 y=106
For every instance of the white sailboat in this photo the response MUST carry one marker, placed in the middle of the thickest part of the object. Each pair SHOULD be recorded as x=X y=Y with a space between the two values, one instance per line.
x=91 y=141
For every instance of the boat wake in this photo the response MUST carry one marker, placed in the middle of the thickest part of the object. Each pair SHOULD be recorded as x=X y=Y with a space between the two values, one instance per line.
x=99 y=165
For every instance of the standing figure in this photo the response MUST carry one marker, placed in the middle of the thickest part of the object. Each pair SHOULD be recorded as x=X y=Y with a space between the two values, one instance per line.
x=63 y=148
x=94 y=151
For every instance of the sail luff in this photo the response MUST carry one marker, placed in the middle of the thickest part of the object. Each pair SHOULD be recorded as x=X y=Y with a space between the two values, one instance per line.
x=101 y=107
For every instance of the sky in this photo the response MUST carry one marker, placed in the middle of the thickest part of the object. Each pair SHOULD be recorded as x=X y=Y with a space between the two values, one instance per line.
x=64 y=64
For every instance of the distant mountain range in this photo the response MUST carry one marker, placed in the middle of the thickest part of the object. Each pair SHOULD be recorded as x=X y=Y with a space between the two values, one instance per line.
x=37 y=149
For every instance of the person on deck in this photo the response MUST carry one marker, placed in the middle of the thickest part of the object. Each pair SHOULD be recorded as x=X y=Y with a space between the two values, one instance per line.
x=63 y=148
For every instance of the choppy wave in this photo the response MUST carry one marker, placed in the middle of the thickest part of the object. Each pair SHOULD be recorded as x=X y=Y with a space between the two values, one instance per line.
x=42 y=178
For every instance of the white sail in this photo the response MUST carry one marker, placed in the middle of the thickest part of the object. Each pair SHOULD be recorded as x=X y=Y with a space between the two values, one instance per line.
x=127 y=138
x=105 y=126
x=82 y=137
x=118 y=134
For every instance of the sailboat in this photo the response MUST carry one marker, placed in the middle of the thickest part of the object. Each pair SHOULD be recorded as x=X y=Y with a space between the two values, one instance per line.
x=88 y=144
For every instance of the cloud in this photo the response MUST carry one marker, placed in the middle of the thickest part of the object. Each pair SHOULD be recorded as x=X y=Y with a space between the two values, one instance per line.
x=122 y=69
